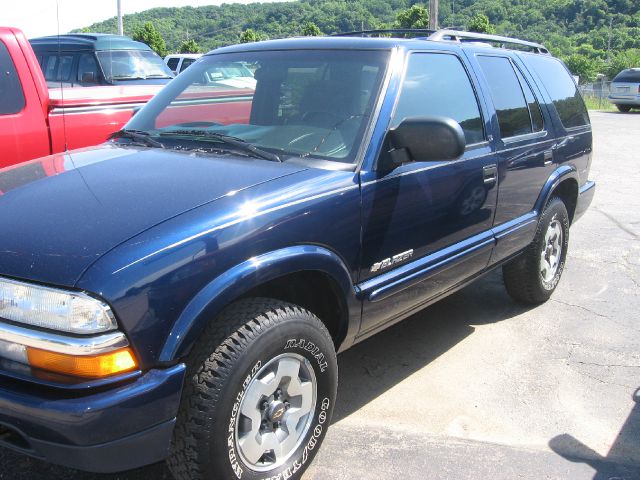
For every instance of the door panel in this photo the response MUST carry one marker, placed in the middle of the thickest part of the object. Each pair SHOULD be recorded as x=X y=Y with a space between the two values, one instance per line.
x=426 y=225
x=23 y=131
x=525 y=151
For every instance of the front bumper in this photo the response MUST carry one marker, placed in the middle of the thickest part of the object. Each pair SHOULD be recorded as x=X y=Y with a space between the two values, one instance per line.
x=108 y=431
x=585 y=197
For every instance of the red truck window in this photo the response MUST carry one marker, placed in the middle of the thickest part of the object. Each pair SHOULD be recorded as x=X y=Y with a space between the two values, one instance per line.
x=11 y=94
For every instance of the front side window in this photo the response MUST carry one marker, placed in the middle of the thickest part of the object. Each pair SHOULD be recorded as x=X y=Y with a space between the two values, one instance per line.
x=314 y=104
x=508 y=97
x=561 y=88
x=87 y=69
x=11 y=94
x=437 y=84
x=122 y=65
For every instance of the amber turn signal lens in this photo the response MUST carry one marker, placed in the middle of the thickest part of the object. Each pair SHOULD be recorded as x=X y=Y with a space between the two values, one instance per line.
x=97 y=366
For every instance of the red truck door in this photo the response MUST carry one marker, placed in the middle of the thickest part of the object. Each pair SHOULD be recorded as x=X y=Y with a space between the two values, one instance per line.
x=24 y=133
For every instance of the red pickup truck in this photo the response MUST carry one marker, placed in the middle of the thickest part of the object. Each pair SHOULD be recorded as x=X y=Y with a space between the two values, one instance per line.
x=36 y=121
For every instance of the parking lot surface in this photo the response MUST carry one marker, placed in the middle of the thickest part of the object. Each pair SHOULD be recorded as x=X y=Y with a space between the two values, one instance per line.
x=477 y=386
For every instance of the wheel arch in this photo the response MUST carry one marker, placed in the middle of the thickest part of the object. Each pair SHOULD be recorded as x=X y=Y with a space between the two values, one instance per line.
x=310 y=266
x=563 y=183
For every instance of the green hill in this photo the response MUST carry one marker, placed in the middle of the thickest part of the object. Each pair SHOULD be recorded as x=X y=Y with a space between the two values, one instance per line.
x=591 y=35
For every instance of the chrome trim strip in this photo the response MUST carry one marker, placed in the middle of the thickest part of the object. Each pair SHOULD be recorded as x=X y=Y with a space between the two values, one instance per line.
x=53 y=342
x=95 y=108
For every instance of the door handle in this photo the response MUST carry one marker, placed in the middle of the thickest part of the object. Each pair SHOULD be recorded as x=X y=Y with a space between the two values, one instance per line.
x=566 y=141
x=490 y=174
x=548 y=157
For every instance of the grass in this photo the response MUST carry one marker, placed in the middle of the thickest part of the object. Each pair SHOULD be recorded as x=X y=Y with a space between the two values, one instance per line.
x=596 y=103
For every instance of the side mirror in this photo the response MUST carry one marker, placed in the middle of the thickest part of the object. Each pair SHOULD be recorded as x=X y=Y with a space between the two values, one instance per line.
x=423 y=139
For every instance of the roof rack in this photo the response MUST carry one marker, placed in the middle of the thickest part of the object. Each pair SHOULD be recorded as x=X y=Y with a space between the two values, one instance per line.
x=367 y=33
x=450 y=35
x=460 y=36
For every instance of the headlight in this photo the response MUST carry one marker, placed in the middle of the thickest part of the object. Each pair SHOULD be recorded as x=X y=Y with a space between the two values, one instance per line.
x=54 y=309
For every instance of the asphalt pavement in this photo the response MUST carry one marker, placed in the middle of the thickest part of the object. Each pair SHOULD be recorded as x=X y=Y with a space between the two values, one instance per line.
x=477 y=386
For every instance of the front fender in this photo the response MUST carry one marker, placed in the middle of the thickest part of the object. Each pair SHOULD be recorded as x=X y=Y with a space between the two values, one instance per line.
x=238 y=280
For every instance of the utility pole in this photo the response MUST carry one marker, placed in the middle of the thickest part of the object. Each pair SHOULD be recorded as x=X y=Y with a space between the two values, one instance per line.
x=120 y=26
x=433 y=14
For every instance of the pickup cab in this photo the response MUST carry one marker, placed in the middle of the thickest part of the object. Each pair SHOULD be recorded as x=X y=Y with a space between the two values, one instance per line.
x=36 y=120
x=180 y=293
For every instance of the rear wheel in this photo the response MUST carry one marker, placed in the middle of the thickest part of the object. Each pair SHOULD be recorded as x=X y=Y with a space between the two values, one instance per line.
x=623 y=108
x=533 y=276
x=258 y=397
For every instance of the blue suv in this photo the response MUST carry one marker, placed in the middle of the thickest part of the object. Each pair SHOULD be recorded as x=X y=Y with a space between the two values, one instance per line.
x=181 y=291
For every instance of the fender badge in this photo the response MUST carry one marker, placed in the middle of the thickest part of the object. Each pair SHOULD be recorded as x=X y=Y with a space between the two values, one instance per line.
x=387 y=262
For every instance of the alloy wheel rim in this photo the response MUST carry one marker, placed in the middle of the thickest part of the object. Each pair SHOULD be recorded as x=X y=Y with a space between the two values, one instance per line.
x=276 y=412
x=551 y=251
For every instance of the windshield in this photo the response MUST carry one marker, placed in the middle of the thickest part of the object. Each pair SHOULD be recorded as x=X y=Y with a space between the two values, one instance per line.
x=301 y=103
x=132 y=65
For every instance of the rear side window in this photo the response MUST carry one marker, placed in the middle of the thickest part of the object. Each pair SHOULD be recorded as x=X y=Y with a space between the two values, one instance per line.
x=508 y=97
x=11 y=94
x=534 y=107
x=57 y=68
x=438 y=84
x=172 y=63
x=562 y=90
x=631 y=76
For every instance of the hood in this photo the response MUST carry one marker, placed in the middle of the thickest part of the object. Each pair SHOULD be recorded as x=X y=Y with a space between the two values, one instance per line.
x=61 y=213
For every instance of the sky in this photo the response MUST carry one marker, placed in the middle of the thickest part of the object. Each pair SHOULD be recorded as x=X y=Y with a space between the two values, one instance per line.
x=38 y=17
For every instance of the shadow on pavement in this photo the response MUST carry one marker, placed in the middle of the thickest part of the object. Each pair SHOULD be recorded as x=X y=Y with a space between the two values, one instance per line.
x=374 y=366
x=366 y=370
x=621 y=451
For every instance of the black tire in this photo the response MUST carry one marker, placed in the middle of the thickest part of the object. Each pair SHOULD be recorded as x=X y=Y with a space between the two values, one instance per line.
x=624 y=108
x=523 y=276
x=232 y=352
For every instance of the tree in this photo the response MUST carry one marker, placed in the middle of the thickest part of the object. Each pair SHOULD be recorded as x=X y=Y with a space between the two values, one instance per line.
x=147 y=33
x=311 y=30
x=586 y=68
x=189 y=46
x=249 y=36
x=622 y=60
x=480 y=24
x=417 y=16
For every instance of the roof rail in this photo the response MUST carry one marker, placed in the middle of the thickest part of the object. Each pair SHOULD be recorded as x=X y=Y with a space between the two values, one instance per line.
x=460 y=36
x=425 y=32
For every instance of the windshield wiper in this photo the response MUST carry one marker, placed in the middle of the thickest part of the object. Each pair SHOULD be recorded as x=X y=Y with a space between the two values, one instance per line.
x=139 y=136
x=236 y=142
x=158 y=76
x=127 y=77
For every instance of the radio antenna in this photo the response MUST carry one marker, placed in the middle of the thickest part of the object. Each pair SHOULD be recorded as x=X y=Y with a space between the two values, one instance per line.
x=64 y=123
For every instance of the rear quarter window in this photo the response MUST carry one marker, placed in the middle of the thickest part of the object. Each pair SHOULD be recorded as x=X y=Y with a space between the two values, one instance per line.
x=561 y=88
x=11 y=94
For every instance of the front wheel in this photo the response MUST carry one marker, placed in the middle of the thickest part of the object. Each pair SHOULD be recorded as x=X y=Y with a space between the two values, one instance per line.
x=623 y=108
x=533 y=276
x=258 y=397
